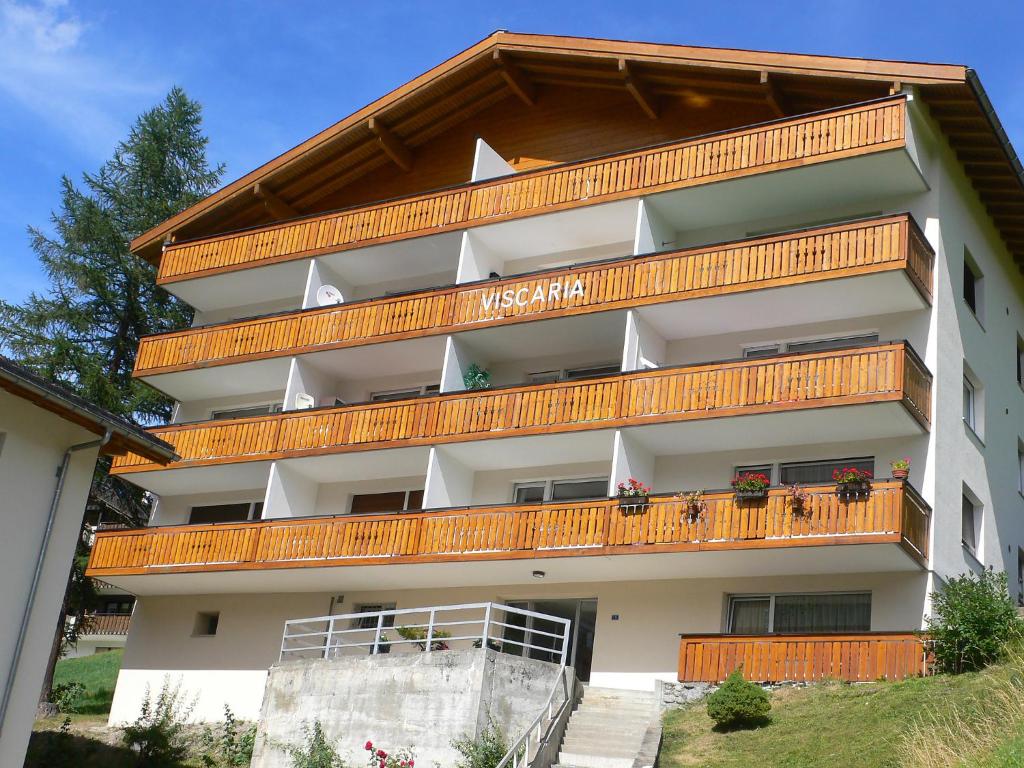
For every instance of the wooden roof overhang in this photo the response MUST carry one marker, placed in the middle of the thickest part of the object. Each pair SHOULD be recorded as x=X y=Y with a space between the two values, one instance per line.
x=504 y=64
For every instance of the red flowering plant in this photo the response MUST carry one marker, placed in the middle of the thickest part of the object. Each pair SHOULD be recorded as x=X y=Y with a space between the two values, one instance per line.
x=752 y=482
x=381 y=758
x=849 y=475
x=633 y=488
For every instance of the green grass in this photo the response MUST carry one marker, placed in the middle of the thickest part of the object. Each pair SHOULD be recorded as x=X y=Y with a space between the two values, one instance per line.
x=98 y=673
x=875 y=725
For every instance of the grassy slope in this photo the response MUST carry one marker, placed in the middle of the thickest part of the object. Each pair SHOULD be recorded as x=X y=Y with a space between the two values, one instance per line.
x=98 y=673
x=854 y=726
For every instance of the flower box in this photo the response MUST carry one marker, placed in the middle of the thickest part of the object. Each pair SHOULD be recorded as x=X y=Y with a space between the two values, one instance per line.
x=634 y=501
x=752 y=495
x=854 y=488
x=900 y=474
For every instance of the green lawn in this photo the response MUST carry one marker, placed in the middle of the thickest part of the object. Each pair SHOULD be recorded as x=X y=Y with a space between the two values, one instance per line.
x=874 y=725
x=98 y=673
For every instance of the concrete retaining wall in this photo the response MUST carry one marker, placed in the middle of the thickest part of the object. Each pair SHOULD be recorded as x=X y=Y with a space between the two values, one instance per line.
x=417 y=700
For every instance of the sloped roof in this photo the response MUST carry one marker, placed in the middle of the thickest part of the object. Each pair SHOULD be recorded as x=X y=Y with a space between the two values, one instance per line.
x=125 y=436
x=507 y=63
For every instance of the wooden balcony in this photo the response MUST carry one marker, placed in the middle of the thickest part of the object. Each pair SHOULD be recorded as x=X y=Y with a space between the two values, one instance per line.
x=873 y=246
x=874 y=373
x=858 y=657
x=106 y=624
x=891 y=512
x=787 y=143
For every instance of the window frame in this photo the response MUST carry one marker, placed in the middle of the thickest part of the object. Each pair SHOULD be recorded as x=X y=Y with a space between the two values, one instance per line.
x=574 y=373
x=404 y=393
x=976 y=304
x=784 y=346
x=976 y=523
x=970 y=403
x=771 y=596
x=272 y=407
x=405 y=501
x=255 y=512
x=548 y=484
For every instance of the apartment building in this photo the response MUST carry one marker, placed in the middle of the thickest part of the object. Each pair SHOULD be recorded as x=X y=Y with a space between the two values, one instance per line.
x=432 y=341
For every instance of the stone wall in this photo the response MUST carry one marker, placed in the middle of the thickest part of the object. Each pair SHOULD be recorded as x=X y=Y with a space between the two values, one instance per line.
x=418 y=700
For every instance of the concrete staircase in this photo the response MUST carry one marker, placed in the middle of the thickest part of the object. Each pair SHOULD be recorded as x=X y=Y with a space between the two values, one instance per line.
x=610 y=730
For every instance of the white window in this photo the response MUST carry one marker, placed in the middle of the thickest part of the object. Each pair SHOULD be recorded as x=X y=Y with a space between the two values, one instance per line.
x=812 y=345
x=817 y=472
x=971 y=405
x=571 y=374
x=757 y=469
x=1020 y=466
x=560 y=490
x=404 y=394
x=241 y=413
x=970 y=523
x=1020 y=360
x=370 y=622
x=974 y=295
x=800 y=613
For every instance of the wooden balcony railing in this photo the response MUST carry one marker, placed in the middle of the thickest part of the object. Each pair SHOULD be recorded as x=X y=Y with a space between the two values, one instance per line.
x=876 y=245
x=106 y=624
x=788 y=143
x=856 y=657
x=864 y=374
x=891 y=512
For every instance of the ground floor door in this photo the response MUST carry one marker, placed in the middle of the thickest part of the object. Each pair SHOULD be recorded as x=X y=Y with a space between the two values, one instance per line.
x=582 y=616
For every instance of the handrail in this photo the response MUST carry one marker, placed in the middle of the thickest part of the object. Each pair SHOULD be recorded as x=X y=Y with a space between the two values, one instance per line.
x=519 y=753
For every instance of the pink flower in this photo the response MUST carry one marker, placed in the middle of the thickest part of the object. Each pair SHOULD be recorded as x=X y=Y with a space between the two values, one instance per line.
x=381 y=753
x=412 y=763
x=369 y=746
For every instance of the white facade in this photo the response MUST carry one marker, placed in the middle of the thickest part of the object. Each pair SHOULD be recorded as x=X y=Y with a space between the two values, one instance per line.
x=643 y=601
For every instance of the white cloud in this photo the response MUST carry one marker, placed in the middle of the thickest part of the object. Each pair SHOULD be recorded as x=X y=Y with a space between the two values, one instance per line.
x=53 y=67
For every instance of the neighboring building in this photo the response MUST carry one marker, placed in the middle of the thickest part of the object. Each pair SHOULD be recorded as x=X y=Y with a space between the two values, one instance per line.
x=49 y=442
x=677 y=264
x=106 y=628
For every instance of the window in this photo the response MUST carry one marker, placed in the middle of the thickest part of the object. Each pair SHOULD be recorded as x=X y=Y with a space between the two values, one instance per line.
x=241 y=413
x=800 y=613
x=1020 y=467
x=820 y=471
x=120 y=606
x=370 y=622
x=970 y=523
x=226 y=513
x=206 y=624
x=560 y=490
x=765 y=350
x=1020 y=368
x=571 y=374
x=813 y=345
x=404 y=394
x=392 y=501
x=973 y=295
x=969 y=404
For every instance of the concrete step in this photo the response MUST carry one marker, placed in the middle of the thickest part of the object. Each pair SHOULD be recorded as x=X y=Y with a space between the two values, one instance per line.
x=602 y=747
x=595 y=761
x=608 y=728
x=611 y=717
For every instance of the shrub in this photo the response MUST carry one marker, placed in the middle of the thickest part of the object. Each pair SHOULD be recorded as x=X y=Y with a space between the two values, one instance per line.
x=67 y=696
x=484 y=751
x=476 y=377
x=972 y=619
x=316 y=752
x=738 y=703
x=157 y=735
x=231 y=747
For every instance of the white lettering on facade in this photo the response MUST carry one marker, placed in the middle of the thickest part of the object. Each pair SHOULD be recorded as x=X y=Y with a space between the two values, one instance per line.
x=556 y=291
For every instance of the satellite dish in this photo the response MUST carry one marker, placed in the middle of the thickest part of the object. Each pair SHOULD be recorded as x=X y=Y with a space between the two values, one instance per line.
x=327 y=295
x=303 y=401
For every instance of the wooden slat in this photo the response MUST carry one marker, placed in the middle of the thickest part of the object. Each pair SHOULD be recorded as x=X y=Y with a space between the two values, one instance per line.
x=854 y=248
x=495 y=533
x=782 y=144
x=857 y=657
x=876 y=373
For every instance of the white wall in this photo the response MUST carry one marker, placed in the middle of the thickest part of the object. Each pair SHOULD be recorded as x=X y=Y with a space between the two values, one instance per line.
x=34 y=441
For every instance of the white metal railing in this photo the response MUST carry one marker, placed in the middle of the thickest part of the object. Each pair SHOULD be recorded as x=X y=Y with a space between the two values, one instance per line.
x=528 y=746
x=435 y=628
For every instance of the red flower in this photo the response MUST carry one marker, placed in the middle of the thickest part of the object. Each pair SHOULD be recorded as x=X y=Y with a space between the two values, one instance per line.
x=381 y=753
x=411 y=763
x=368 y=746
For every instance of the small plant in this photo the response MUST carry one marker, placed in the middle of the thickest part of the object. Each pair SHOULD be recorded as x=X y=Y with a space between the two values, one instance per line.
x=476 y=377
x=900 y=467
x=798 y=497
x=420 y=634
x=693 y=503
x=484 y=751
x=316 y=751
x=67 y=696
x=158 y=734
x=381 y=758
x=738 y=703
x=973 y=618
x=231 y=747
x=632 y=489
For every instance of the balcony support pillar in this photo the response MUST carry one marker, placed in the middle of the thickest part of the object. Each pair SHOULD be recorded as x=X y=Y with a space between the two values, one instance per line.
x=457 y=360
x=289 y=494
x=488 y=164
x=643 y=347
x=305 y=380
x=653 y=233
x=319 y=275
x=476 y=260
x=630 y=459
x=449 y=482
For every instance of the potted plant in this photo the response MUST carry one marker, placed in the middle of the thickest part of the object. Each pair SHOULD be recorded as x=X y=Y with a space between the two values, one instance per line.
x=693 y=503
x=419 y=634
x=633 y=495
x=798 y=497
x=751 y=485
x=900 y=468
x=851 y=481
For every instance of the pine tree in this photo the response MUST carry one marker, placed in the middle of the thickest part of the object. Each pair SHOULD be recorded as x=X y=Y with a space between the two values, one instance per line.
x=83 y=331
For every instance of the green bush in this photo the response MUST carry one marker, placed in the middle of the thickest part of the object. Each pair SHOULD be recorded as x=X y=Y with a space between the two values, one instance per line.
x=158 y=734
x=316 y=751
x=738 y=703
x=229 y=748
x=67 y=696
x=484 y=751
x=476 y=377
x=973 y=617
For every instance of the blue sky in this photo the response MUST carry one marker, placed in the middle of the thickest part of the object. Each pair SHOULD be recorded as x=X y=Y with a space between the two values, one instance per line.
x=73 y=75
